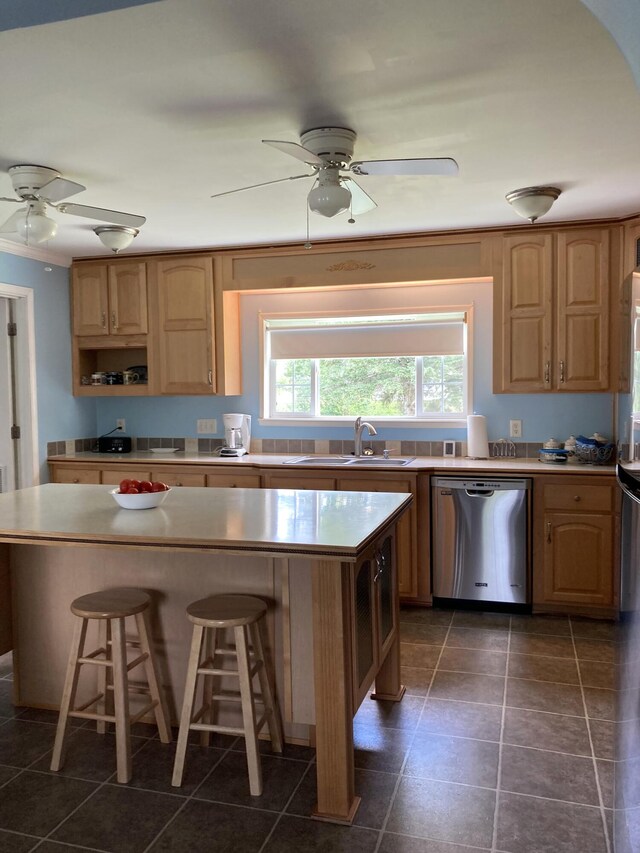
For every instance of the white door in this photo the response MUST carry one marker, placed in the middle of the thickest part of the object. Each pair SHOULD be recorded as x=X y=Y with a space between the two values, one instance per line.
x=7 y=400
x=19 y=464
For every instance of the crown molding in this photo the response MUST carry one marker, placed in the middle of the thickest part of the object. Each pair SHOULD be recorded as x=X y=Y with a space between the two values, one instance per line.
x=36 y=253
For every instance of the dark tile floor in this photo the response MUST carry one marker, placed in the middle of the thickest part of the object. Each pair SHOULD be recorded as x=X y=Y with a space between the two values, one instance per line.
x=503 y=743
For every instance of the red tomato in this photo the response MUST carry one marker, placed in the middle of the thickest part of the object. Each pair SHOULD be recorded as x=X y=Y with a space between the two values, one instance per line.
x=124 y=485
x=132 y=491
x=157 y=487
x=135 y=484
x=145 y=486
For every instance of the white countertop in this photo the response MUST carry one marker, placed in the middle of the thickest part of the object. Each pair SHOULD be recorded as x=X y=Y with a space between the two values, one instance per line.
x=435 y=464
x=274 y=521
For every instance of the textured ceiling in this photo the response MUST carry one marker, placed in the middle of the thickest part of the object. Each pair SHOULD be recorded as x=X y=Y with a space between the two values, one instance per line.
x=157 y=106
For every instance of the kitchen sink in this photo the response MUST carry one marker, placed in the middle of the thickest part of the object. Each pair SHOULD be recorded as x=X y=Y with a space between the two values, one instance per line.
x=347 y=460
x=379 y=460
x=320 y=460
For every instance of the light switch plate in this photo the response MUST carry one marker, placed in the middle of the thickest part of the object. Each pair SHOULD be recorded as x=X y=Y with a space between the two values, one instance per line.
x=448 y=448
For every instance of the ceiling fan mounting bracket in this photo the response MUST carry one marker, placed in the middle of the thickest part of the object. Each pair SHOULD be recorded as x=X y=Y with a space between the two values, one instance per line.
x=333 y=144
x=28 y=180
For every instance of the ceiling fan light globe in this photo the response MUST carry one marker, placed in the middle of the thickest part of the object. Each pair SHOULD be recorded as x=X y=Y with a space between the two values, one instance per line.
x=35 y=227
x=116 y=237
x=329 y=199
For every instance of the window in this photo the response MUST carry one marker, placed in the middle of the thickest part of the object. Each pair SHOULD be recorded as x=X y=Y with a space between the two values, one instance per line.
x=392 y=366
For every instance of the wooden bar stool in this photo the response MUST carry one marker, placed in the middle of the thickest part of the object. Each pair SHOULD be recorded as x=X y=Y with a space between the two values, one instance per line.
x=111 y=607
x=244 y=614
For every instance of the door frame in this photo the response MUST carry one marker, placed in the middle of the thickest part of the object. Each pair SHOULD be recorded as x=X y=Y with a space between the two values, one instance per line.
x=25 y=367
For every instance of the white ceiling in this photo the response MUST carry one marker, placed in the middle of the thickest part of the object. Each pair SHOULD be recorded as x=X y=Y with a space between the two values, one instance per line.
x=156 y=107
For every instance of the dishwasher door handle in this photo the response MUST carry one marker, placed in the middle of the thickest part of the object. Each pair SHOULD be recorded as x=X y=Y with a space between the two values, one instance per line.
x=480 y=493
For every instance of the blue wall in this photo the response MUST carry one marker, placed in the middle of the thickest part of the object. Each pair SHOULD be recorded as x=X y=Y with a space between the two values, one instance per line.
x=60 y=414
x=543 y=415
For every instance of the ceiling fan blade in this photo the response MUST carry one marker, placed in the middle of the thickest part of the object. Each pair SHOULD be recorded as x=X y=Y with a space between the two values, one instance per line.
x=11 y=223
x=14 y=200
x=361 y=202
x=263 y=184
x=59 y=188
x=296 y=150
x=420 y=166
x=115 y=217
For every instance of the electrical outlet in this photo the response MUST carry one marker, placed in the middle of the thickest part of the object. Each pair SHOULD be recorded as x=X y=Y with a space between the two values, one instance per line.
x=120 y=424
x=515 y=429
x=206 y=426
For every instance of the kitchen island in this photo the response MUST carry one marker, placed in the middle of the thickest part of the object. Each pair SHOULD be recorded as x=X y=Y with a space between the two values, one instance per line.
x=324 y=561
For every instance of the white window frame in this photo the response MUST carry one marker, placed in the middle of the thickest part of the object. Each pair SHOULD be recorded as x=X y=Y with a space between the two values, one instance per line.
x=422 y=421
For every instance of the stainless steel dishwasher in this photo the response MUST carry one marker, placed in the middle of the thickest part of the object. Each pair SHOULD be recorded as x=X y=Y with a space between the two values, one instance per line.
x=480 y=540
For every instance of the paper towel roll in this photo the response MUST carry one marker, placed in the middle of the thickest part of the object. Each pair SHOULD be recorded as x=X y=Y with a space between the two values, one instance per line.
x=477 y=442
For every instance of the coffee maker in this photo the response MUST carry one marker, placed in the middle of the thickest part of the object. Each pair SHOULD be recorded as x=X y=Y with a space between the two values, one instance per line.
x=237 y=434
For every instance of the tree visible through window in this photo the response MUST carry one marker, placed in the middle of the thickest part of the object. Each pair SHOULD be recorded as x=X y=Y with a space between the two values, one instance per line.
x=356 y=366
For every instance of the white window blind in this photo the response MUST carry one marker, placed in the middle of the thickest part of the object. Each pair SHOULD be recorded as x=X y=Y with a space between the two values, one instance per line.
x=363 y=337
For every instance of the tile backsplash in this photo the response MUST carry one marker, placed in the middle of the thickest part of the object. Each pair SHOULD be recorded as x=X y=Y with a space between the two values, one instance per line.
x=523 y=449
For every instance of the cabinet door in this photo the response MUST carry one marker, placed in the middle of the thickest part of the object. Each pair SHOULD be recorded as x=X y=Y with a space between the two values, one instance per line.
x=582 y=287
x=233 y=480
x=61 y=474
x=127 y=299
x=385 y=586
x=406 y=535
x=90 y=299
x=113 y=476
x=524 y=312
x=365 y=658
x=179 y=478
x=578 y=558
x=185 y=326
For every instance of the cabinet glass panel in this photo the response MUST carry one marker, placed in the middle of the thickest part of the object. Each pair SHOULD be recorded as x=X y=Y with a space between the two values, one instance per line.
x=385 y=585
x=364 y=621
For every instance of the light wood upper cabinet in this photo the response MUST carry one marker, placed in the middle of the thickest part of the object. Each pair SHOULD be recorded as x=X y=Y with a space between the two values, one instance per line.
x=109 y=299
x=552 y=312
x=184 y=316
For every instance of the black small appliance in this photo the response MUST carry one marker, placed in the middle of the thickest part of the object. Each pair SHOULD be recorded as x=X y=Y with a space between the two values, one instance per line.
x=114 y=444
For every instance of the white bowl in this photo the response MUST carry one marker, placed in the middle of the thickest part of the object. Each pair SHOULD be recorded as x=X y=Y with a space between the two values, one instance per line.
x=145 y=500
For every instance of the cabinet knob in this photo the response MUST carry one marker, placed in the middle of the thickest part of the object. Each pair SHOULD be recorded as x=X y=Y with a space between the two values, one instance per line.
x=547 y=372
x=114 y=320
x=577 y=498
x=178 y=484
x=562 y=371
x=210 y=377
x=548 y=531
x=76 y=480
x=103 y=321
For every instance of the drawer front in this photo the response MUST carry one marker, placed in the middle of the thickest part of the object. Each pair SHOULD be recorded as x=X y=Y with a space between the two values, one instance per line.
x=360 y=484
x=113 y=476
x=301 y=481
x=175 y=478
x=578 y=497
x=76 y=475
x=234 y=481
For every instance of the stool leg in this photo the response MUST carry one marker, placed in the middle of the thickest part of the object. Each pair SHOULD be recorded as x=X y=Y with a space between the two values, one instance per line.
x=210 y=639
x=268 y=696
x=121 y=702
x=69 y=691
x=187 y=705
x=104 y=704
x=248 y=711
x=157 y=694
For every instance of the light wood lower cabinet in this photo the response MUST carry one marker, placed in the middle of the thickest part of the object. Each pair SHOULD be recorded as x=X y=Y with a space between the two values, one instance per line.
x=230 y=479
x=71 y=474
x=374 y=613
x=178 y=478
x=114 y=476
x=575 y=551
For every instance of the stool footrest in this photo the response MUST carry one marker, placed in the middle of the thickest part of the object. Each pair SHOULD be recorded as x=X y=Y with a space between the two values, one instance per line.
x=225 y=730
x=137 y=661
x=143 y=711
x=90 y=702
x=207 y=671
x=92 y=715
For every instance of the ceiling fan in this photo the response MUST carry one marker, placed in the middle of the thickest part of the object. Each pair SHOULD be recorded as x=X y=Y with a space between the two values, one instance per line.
x=41 y=188
x=328 y=151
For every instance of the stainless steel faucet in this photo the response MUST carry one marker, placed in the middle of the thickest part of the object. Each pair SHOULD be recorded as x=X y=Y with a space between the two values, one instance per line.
x=358 y=428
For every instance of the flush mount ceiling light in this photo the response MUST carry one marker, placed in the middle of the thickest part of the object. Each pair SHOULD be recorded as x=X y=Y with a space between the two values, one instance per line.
x=33 y=225
x=533 y=202
x=116 y=237
x=329 y=197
